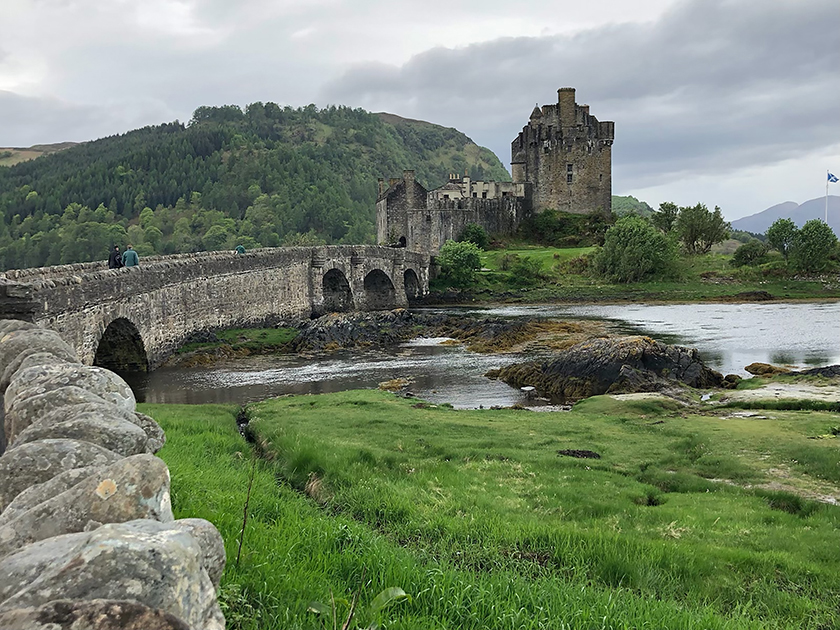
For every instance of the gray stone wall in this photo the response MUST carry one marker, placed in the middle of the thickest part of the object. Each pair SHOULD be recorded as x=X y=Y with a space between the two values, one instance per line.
x=87 y=535
x=169 y=298
x=566 y=155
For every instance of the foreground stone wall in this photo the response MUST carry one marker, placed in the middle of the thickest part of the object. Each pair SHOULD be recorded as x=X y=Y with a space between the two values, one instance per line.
x=168 y=298
x=87 y=536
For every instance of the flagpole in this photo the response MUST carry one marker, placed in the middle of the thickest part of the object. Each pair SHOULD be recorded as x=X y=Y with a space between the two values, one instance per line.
x=826 y=196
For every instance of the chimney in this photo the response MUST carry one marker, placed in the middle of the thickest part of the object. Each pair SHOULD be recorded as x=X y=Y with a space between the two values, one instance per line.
x=566 y=105
x=408 y=178
x=381 y=182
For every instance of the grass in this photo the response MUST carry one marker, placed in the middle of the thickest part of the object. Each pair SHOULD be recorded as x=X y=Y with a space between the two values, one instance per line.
x=481 y=520
x=700 y=278
x=251 y=339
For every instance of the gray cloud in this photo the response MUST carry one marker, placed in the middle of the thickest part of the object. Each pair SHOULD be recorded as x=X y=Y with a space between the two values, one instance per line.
x=711 y=86
x=55 y=119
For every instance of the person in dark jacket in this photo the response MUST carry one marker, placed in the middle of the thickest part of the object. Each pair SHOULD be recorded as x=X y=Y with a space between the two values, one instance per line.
x=130 y=257
x=114 y=258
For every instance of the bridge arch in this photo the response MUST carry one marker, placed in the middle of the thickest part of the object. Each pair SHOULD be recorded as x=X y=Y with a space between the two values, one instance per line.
x=338 y=298
x=413 y=288
x=380 y=293
x=121 y=348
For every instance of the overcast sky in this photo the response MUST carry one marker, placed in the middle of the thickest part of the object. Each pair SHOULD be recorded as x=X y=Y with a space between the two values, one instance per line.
x=733 y=103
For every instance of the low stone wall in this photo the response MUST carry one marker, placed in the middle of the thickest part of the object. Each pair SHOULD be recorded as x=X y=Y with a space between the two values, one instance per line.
x=87 y=536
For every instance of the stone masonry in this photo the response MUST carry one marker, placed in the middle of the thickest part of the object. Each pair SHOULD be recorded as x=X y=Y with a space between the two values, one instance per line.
x=165 y=299
x=565 y=154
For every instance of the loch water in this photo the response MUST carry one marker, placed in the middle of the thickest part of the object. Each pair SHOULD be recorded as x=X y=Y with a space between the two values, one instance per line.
x=728 y=336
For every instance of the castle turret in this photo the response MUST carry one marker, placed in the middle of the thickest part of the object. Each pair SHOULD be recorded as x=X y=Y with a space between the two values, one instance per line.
x=564 y=156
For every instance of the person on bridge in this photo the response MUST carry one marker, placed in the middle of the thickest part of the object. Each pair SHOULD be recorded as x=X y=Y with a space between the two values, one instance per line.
x=130 y=257
x=240 y=249
x=114 y=258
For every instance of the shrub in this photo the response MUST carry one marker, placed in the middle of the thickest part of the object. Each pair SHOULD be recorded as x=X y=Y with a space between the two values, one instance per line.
x=506 y=261
x=459 y=262
x=750 y=253
x=474 y=233
x=527 y=271
x=633 y=250
x=812 y=245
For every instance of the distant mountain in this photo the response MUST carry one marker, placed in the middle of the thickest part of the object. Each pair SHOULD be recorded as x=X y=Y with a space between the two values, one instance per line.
x=799 y=214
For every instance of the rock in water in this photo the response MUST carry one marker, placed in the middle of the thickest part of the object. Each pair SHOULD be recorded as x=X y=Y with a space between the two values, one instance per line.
x=598 y=366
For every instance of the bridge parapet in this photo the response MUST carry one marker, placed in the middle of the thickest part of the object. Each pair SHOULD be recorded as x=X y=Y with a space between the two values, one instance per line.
x=167 y=298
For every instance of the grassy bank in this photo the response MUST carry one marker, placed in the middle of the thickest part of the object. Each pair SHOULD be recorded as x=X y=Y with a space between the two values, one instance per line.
x=493 y=518
x=560 y=274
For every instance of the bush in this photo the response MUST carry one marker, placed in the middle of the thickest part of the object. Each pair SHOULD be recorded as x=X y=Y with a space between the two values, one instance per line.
x=750 y=253
x=459 y=262
x=527 y=271
x=812 y=246
x=474 y=233
x=633 y=250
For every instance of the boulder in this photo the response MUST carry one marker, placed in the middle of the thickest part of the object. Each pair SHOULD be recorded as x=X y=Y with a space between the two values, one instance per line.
x=16 y=345
x=37 y=462
x=154 y=564
x=41 y=492
x=111 y=432
x=213 y=557
x=31 y=409
x=765 y=369
x=95 y=406
x=156 y=438
x=29 y=360
x=129 y=489
x=98 y=614
x=45 y=377
x=8 y=325
x=594 y=366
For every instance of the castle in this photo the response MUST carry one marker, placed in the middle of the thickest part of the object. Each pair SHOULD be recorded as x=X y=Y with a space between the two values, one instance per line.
x=561 y=160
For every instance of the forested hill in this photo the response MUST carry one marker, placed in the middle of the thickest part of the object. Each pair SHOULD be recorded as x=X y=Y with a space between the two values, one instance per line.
x=264 y=176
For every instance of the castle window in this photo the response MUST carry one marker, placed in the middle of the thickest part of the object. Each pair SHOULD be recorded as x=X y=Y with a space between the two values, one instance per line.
x=568 y=178
x=475 y=194
x=446 y=196
x=568 y=168
x=484 y=195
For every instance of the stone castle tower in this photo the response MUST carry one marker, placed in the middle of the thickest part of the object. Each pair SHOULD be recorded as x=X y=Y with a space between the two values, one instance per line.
x=565 y=154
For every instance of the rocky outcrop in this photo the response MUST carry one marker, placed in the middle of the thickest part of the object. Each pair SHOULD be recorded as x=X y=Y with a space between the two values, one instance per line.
x=616 y=365
x=87 y=536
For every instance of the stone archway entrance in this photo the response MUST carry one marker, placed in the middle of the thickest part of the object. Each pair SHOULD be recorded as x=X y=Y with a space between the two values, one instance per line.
x=413 y=289
x=379 y=291
x=338 y=298
x=121 y=348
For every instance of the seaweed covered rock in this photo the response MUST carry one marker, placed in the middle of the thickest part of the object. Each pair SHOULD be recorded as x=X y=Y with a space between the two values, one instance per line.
x=614 y=365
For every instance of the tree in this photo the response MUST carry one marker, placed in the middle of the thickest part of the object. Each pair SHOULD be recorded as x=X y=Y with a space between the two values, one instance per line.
x=751 y=253
x=474 y=233
x=634 y=250
x=699 y=229
x=812 y=245
x=665 y=217
x=781 y=236
x=458 y=262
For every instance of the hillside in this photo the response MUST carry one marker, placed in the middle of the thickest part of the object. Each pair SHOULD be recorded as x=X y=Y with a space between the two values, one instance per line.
x=799 y=214
x=9 y=156
x=264 y=176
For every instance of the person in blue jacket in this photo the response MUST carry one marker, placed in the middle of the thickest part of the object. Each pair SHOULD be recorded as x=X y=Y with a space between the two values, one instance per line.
x=130 y=257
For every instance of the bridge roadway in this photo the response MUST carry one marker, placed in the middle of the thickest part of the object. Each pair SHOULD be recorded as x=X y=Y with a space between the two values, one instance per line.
x=135 y=317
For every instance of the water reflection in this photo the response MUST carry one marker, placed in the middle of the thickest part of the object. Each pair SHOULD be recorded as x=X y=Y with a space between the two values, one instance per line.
x=728 y=336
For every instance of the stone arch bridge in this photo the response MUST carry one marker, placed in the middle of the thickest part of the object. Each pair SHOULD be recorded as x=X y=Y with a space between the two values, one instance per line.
x=135 y=317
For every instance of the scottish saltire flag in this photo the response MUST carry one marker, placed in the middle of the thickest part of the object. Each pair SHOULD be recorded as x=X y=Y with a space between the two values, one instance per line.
x=832 y=178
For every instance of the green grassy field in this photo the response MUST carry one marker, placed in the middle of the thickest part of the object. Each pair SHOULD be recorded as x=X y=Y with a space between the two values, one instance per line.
x=704 y=277
x=685 y=520
x=253 y=339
